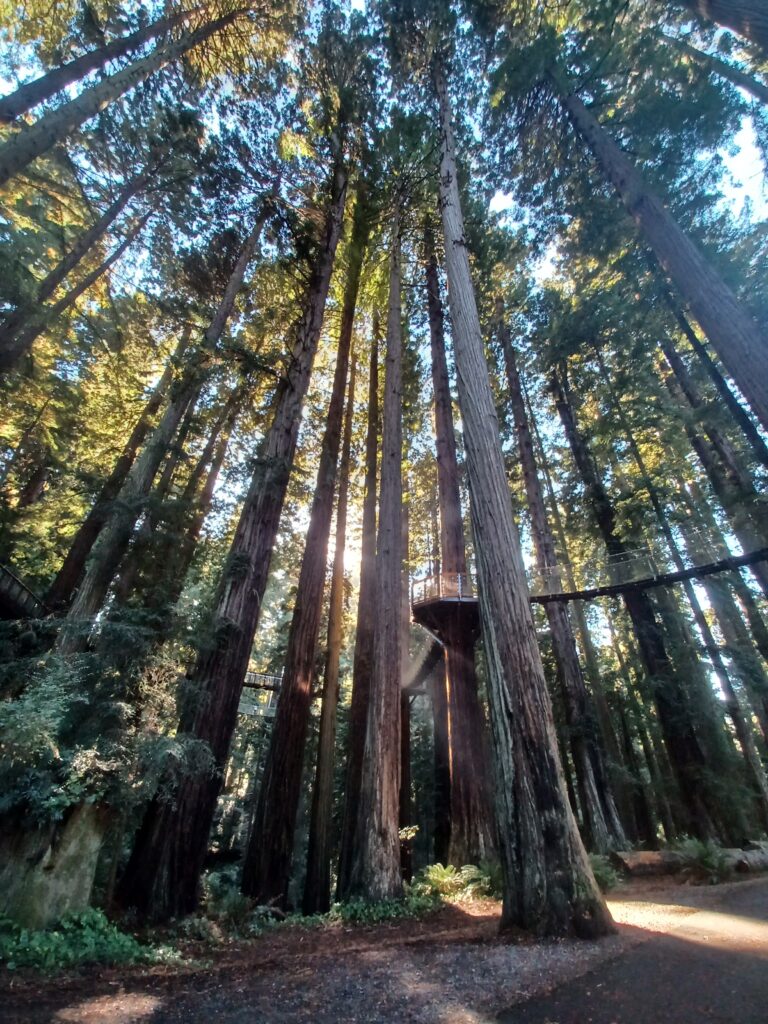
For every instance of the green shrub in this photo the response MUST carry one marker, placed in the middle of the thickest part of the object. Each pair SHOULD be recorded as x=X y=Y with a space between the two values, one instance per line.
x=703 y=862
x=223 y=900
x=606 y=876
x=467 y=882
x=86 y=937
x=416 y=903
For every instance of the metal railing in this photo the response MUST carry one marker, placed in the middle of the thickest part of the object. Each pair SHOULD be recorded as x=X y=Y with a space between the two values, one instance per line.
x=17 y=593
x=701 y=547
x=447 y=586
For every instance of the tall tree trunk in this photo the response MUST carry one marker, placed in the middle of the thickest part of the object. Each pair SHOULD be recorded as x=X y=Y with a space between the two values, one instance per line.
x=603 y=829
x=707 y=712
x=471 y=818
x=57 y=79
x=375 y=868
x=747 y=18
x=16 y=343
x=115 y=536
x=36 y=139
x=362 y=666
x=734 y=334
x=688 y=759
x=317 y=884
x=267 y=863
x=738 y=412
x=163 y=873
x=735 y=494
x=604 y=718
x=61 y=590
x=15 y=322
x=549 y=888
x=720 y=68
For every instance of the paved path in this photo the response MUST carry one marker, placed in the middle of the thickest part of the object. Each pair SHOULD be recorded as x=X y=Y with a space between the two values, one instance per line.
x=712 y=967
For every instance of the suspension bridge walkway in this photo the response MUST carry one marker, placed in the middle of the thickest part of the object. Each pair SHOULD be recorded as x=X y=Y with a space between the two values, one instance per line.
x=435 y=597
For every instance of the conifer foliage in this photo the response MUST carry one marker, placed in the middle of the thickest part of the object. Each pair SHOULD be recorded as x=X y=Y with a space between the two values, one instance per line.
x=384 y=453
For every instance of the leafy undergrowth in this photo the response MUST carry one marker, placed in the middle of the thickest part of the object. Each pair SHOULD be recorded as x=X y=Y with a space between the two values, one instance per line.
x=704 y=863
x=86 y=937
x=606 y=875
x=228 y=914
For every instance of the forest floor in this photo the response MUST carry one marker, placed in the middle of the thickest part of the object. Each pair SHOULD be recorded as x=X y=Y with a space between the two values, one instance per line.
x=682 y=954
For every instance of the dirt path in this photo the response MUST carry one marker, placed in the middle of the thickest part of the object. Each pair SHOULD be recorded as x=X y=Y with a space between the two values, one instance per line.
x=678 y=949
x=710 y=966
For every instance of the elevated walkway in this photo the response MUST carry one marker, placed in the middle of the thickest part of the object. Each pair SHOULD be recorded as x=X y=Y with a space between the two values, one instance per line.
x=433 y=598
x=17 y=601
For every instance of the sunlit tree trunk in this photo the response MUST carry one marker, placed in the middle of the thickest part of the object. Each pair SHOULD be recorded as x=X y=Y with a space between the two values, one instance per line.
x=471 y=819
x=734 y=334
x=267 y=862
x=57 y=79
x=36 y=139
x=366 y=617
x=163 y=873
x=375 y=866
x=317 y=884
x=603 y=829
x=549 y=888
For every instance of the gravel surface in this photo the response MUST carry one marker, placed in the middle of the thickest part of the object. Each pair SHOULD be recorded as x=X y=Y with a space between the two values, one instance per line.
x=449 y=969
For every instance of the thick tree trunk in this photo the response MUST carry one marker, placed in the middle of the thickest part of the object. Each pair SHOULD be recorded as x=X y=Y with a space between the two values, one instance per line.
x=68 y=576
x=48 y=871
x=549 y=888
x=162 y=876
x=672 y=703
x=57 y=79
x=317 y=884
x=471 y=818
x=375 y=868
x=16 y=343
x=748 y=18
x=602 y=827
x=362 y=667
x=267 y=863
x=734 y=334
x=35 y=140
x=405 y=819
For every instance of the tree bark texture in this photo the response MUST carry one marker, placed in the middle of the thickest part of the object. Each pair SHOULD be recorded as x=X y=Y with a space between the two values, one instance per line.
x=549 y=888
x=375 y=868
x=37 y=139
x=734 y=334
x=472 y=838
x=602 y=827
x=57 y=79
x=162 y=876
x=317 y=884
x=269 y=849
x=362 y=665
x=671 y=699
